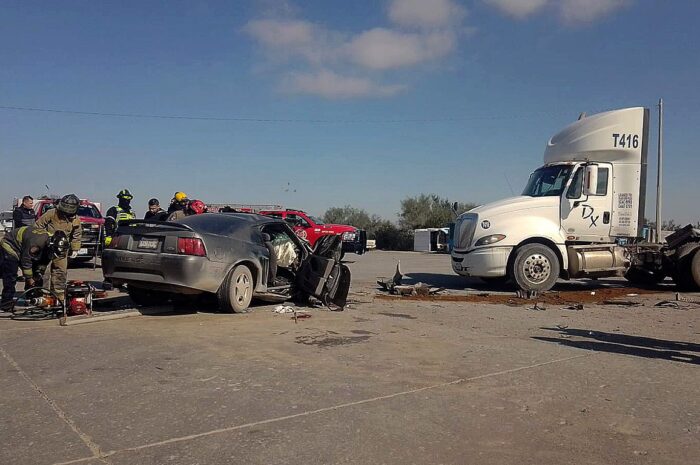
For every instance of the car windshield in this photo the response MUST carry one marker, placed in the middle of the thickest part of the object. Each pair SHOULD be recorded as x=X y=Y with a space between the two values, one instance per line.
x=548 y=181
x=89 y=211
x=316 y=219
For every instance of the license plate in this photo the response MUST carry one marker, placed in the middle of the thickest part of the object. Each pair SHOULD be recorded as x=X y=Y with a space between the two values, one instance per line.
x=148 y=244
x=82 y=252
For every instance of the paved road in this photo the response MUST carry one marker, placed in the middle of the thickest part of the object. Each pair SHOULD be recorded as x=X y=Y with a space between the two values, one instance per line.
x=383 y=382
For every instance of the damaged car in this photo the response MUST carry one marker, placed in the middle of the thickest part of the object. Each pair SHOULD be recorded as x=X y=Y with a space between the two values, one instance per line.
x=236 y=257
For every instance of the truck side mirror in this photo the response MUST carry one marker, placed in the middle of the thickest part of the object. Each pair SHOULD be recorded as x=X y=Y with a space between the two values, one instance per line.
x=590 y=180
x=455 y=206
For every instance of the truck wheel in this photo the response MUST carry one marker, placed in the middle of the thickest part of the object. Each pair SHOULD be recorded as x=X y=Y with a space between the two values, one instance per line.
x=535 y=268
x=237 y=290
x=686 y=268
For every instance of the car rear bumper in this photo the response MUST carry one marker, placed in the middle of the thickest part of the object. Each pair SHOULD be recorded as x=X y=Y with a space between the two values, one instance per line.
x=169 y=272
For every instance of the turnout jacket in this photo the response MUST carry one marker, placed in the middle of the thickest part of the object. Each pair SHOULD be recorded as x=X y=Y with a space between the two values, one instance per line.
x=52 y=222
x=19 y=242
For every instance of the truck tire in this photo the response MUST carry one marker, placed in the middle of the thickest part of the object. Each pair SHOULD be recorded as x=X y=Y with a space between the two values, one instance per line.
x=236 y=292
x=695 y=269
x=686 y=268
x=535 y=268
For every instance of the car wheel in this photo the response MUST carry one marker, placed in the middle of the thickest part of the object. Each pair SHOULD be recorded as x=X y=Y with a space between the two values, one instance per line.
x=237 y=290
x=535 y=268
x=146 y=297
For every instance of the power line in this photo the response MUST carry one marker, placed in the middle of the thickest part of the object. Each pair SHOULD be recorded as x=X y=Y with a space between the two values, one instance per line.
x=275 y=120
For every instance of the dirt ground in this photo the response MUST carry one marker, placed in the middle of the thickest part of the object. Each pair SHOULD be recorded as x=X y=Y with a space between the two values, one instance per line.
x=474 y=376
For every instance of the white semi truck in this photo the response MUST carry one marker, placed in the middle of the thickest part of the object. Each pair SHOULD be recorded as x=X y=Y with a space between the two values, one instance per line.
x=580 y=215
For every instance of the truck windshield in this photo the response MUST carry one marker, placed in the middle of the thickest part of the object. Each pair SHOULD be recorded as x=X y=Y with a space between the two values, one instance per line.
x=316 y=219
x=548 y=181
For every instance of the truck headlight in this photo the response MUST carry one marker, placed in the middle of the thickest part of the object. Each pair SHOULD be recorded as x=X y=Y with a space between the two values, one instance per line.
x=348 y=236
x=488 y=240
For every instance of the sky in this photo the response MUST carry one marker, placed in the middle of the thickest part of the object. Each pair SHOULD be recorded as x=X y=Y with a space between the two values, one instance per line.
x=321 y=103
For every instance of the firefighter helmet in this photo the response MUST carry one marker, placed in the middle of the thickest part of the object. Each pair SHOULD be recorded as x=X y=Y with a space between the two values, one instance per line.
x=125 y=194
x=198 y=207
x=68 y=205
x=58 y=244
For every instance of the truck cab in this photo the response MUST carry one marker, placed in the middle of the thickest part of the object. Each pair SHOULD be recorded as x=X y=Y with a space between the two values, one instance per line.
x=576 y=212
x=311 y=229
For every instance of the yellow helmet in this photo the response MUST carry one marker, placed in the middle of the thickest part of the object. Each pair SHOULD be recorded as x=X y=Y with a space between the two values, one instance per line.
x=180 y=196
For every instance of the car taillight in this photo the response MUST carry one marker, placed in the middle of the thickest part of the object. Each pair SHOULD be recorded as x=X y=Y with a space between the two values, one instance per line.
x=191 y=246
x=114 y=243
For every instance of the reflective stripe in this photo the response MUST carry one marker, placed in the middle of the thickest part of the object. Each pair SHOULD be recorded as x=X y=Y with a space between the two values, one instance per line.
x=20 y=235
x=27 y=273
x=8 y=248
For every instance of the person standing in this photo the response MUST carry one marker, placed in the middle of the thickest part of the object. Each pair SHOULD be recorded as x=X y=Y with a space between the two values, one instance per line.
x=118 y=213
x=24 y=214
x=154 y=212
x=178 y=206
x=63 y=218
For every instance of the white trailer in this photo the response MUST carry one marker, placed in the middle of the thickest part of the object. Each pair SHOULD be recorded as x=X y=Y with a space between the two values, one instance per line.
x=580 y=215
x=430 y=239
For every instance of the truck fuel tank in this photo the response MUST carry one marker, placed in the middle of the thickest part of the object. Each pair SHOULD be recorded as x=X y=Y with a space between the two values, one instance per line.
x=598 y=260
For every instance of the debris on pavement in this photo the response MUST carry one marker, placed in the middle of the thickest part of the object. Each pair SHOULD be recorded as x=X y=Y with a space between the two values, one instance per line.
x=388 y=284
x=624 y=303
x=283 y=309
x=573 y=307
x=537 y=307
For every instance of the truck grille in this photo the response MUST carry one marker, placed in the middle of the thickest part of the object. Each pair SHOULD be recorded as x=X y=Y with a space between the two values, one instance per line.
x=464 y=231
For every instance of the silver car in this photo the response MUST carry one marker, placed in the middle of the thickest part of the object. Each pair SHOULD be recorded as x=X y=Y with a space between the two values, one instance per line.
x=234 y=256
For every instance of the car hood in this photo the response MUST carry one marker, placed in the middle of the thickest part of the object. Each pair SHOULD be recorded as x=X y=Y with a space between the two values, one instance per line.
x=341 y=228
x=91 y=220
x=514 y=204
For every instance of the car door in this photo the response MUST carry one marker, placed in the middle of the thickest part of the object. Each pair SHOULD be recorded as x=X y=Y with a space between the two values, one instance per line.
x=302 y=228
x=588 y=218
x=323 y=276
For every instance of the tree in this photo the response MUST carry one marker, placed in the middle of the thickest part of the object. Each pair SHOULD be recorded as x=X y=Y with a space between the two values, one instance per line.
x=428 y=211
x=354 y=217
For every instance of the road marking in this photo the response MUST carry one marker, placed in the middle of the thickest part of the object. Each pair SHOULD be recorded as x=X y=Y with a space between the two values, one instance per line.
x=323 y=410
x=87 y=440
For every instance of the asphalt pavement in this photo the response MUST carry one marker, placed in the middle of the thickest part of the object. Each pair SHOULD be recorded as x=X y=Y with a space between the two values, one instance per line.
x=393 y=382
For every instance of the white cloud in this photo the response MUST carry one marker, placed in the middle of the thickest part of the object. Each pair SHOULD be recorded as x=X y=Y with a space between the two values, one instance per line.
x=569 y=11
x=428 y=14
x=518 y=8
x=329 y=84
x=272 y=32
x=386 y=49
x=320 y=61
x=586 y=11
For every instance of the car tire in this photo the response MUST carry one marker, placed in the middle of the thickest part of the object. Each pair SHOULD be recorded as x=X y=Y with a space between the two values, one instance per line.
x=236 y=292
x=146 y=297
x=535 y=268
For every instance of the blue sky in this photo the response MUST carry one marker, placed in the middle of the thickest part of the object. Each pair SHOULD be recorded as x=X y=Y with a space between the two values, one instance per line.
x=370 y=101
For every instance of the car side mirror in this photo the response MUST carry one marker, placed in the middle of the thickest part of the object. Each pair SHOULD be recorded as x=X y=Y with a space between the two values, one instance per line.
x=590 y=180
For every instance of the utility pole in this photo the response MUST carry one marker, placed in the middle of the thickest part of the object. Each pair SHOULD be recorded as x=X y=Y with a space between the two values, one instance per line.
x=659 y=170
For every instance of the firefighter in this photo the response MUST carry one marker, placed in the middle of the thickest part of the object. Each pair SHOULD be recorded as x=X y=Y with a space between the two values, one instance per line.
x=178 y=206
x=118 y=213
x=30 y=249
x=63 y=218
x=194 y=207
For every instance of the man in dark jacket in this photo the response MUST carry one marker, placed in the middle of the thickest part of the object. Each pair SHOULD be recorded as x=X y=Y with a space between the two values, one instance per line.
x=154 y=212
x=24 y=215
x=30 y=249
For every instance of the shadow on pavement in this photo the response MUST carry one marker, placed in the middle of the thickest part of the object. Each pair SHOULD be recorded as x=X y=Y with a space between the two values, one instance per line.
x=637 y=346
